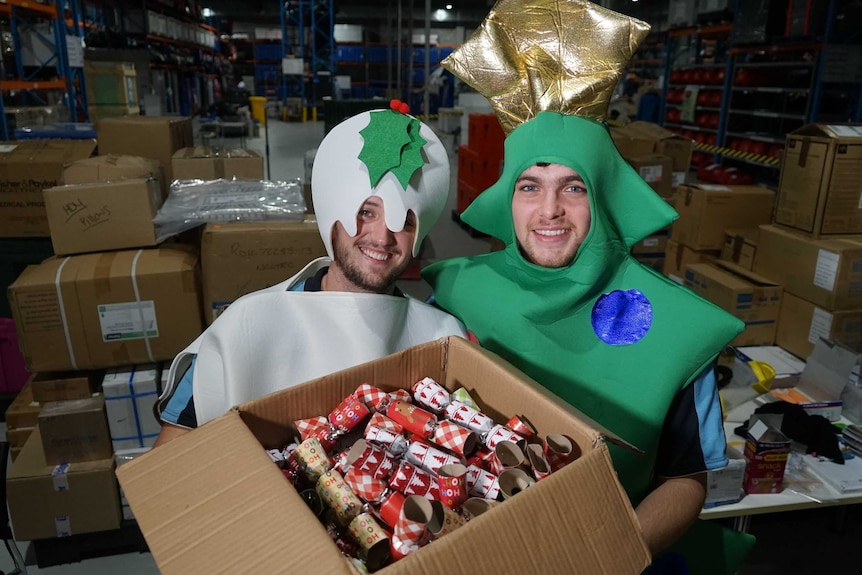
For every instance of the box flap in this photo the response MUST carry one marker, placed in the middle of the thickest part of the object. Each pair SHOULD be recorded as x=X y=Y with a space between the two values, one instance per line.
x=766 y=428
x=246 y=517
x=745 y=274
x=830 y=131
x=827 y=371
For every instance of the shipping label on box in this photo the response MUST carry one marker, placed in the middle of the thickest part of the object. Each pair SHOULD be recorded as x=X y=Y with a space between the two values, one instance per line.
x=706 y=211
x=826 y=272
x=112 y=309
x=243 y=257
x=27 y=168
x=103 y=216
x=657 y=171
x=169 y=490
x=74 y=430
x=766 y=452
x=130 y=393
x=752 y=298
x=818 y=192
x=48 y=501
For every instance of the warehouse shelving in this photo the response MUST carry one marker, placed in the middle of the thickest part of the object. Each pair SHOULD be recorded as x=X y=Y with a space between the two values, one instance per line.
x=307 y=34
x=32 y=81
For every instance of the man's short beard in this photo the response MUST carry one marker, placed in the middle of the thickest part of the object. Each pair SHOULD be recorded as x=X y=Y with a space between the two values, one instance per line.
x=356 y=276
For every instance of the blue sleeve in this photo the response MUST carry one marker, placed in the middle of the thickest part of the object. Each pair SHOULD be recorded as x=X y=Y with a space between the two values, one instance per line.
x=692 y=439
x=180 y=407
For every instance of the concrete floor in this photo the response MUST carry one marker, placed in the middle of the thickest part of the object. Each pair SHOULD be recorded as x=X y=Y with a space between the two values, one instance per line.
x=788 y=543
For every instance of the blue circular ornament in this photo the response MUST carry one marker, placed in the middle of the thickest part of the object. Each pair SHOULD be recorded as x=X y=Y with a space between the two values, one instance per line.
x=622 y=317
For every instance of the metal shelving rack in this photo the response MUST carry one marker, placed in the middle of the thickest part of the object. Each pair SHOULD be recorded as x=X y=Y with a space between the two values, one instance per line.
x=313 y=23
x=28 y=80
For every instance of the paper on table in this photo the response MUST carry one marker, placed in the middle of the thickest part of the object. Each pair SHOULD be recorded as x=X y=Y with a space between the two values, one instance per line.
x=845 y=478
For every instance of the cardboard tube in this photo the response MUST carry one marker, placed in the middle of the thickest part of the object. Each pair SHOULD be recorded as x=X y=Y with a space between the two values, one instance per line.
x=444 y=520
x=476 y=506
x=373 y=540
x=513 y=481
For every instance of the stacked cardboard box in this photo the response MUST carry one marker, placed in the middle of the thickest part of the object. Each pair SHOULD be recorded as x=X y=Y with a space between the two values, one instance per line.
x=661 y=157
x=22 y=416
x=479 y=162
x=814 y=245
x=239 y=258
x=205 y=163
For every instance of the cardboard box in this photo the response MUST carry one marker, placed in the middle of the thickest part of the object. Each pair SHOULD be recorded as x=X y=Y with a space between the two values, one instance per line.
x=724 y=486
x=205 y=163
x=631 y=144
x=657 y=171
x=130 y=393
x=828 y=273
x=818 y=388
x=17 y=436
x=63 y=385
x=24 y=410
x=112 y=167
x=706 y=211
x=103 y=216
x=47 y=501
x=239 y=258
x=665 y=142
x=74 y=430
x=155 y=137
x=801 y=324
x=91 y=312
x=766 y=451
x=752 y=298
x=678 y=256
x=220 y=473
x=26 y=168
x=740 y=246
x=818 y=191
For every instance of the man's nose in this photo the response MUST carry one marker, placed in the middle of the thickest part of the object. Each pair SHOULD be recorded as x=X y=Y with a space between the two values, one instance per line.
x=380 y=234
x=551 y=206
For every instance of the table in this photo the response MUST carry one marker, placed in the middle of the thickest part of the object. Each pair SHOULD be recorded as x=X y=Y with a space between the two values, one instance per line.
x=787 y=500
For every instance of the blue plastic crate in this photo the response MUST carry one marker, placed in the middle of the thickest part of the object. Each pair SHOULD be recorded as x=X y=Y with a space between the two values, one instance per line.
x=60 y=131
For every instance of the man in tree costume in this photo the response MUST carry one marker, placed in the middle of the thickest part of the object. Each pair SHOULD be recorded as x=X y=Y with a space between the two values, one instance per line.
x=565 y=301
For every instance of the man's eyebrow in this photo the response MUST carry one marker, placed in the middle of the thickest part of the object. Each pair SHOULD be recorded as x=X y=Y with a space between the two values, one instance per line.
x=371 y=202
x=527 y=179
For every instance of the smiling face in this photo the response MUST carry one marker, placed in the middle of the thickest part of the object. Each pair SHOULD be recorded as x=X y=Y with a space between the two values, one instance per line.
x=551 y=214
x=373 y=259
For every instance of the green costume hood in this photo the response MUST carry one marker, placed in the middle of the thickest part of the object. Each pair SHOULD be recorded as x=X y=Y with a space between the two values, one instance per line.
x=605 y=333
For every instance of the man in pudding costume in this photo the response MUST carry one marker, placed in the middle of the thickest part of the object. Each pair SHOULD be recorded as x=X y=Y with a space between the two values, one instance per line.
x=380 y=181
x=565 y=301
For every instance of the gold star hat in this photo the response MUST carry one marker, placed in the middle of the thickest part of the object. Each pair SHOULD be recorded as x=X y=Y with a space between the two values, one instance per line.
x=549 y=68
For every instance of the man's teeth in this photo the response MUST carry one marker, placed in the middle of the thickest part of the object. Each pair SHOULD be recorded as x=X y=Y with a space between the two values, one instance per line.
x=551 y=232
x=376 y=255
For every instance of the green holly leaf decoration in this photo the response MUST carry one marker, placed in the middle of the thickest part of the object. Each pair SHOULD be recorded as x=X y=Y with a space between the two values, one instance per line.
x=392 y=143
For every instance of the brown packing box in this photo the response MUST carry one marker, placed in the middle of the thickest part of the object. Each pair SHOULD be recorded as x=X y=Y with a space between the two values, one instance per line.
x=26 y=168
x=205 y=163
x=109 y=168
x=239 y=258
x=630 y=144
x=657 y=171
x=220 y=475
x=678 y=256
x=62 y=385
x=17 y=436
x=801 y=323
x=740 y=246
x=754 y=299
x=103 y=216
x=707 y=210
x=818 y=192
x=47 y=501
x=665 y=142
x=84 y=312
x=75 y=430
x=827 y=273
x=24 y=410
x=156 y=137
